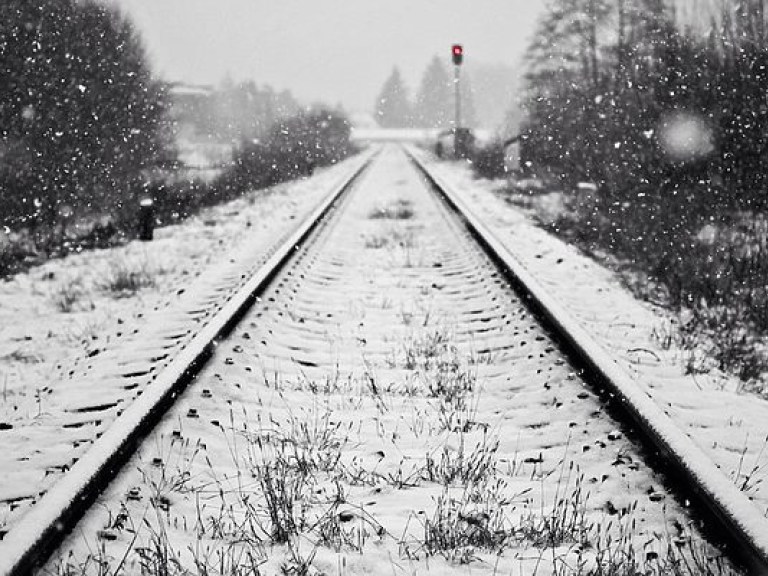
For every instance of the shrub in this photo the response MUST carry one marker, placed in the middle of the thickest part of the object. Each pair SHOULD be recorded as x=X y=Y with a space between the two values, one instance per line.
x=294 y=147
x=67 y=294
x=126 y=278
x=488 y=161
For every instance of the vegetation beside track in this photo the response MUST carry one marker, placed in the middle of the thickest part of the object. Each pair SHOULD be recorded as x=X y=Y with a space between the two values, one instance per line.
x=88 y=131
x=666 y=120
x=293 y=148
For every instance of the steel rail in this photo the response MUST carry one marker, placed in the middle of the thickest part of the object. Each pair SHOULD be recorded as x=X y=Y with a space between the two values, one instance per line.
x=746 y=528
x=31 y=541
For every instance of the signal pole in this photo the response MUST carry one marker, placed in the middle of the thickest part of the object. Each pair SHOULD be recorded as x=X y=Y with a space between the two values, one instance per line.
x=457 y=53
x=457 y=97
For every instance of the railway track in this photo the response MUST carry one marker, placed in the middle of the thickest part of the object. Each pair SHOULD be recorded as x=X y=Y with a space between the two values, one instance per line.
x=82 y=398
x=378 y=386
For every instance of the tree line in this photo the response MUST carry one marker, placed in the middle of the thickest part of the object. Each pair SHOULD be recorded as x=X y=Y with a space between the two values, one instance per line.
x=230 y=112
x=87 y=130
x=610 y=81
x=292 y=147
x=664 y=105
x=667 y=114
x=433 y=104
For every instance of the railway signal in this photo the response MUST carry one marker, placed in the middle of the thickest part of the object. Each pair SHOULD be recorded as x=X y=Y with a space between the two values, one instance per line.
x=457 y=52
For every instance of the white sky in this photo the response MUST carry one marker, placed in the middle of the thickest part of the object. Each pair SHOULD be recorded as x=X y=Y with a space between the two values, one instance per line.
x=329 y=50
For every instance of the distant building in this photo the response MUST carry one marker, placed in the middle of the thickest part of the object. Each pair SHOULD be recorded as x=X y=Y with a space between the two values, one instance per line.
x=191 y=108
x=193 y=113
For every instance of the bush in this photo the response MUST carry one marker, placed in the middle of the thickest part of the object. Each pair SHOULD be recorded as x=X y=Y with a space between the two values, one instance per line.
x=294 y=147
x=714 y=268
x=488 y=161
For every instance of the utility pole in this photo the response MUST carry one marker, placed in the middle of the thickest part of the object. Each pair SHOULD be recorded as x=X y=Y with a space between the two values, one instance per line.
x=457 y=53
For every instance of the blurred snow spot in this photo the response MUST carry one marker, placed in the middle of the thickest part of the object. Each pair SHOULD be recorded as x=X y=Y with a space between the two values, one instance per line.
x=529 y=184
x=708 y=234
x=685 y=136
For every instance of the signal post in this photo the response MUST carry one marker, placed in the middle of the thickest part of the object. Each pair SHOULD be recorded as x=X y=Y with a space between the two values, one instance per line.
x=460 y=136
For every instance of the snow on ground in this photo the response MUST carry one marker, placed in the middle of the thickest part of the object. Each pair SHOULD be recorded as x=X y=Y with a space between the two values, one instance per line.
x=732 y=428
x=389 y=406
x=67 y=326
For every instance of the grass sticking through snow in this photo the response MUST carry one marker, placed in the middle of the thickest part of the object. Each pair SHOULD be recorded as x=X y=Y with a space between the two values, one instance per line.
x=67 y=294
x=126 y=278
x=399 y=209
x=290 y=496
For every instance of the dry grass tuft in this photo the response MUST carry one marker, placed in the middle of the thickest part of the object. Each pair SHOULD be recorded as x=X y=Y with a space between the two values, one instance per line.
x=399 y=209
x=68 y=294
x=126 y=278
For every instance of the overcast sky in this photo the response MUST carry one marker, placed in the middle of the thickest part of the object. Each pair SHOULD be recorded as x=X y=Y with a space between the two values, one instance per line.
x=329 y=50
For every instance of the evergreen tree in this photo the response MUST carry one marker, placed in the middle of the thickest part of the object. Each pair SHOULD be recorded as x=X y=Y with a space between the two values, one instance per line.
x=285 y=105
x=434 y=102
x=392 y=107
x=81 y=116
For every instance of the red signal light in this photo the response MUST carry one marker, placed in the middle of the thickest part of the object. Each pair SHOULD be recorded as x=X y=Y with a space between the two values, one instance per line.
x=457 y=52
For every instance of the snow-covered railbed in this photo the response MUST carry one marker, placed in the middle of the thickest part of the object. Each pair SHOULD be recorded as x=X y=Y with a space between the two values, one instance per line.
x=389 y=406
x=722 y=429
x=81 y=337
